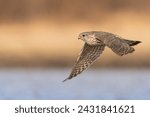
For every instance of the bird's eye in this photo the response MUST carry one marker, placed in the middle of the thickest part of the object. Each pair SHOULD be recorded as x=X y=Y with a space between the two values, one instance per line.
x=83 y=35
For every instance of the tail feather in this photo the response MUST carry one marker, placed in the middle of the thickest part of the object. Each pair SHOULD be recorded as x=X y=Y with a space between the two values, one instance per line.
x=132 y=43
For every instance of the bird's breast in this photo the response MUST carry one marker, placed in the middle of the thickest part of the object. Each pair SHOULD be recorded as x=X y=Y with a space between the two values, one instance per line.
x=91 y=41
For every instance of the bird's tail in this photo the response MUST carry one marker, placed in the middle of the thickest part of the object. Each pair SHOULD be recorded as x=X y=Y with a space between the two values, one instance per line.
x=132 y=43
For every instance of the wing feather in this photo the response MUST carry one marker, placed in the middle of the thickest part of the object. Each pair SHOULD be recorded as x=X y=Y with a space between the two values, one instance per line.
x=87 y=56
x=118 y=45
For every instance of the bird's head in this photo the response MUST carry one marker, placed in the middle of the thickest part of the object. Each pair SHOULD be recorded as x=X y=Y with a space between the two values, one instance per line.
x=83 y=36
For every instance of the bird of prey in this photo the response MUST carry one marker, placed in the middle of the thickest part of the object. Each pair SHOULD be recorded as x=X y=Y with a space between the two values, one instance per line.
x=95 y=42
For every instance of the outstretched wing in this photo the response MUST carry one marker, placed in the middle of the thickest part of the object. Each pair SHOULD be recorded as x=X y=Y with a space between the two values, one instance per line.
x=87 y=56
x=118 y=45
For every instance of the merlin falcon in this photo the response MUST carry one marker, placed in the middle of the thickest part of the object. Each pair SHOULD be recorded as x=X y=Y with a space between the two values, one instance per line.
x=95 y=42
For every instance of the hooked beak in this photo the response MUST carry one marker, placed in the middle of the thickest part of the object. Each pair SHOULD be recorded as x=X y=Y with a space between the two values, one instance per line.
x=79 y=37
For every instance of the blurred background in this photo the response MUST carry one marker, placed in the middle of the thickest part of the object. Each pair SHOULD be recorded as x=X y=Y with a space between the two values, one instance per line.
x=39 y=45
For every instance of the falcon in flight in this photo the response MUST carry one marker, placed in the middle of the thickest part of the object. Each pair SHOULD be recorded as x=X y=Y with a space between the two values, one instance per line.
x=95 y=42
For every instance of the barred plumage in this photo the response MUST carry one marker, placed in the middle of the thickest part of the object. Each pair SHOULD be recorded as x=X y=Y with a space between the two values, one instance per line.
x=87 y=56
x=95 y=42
